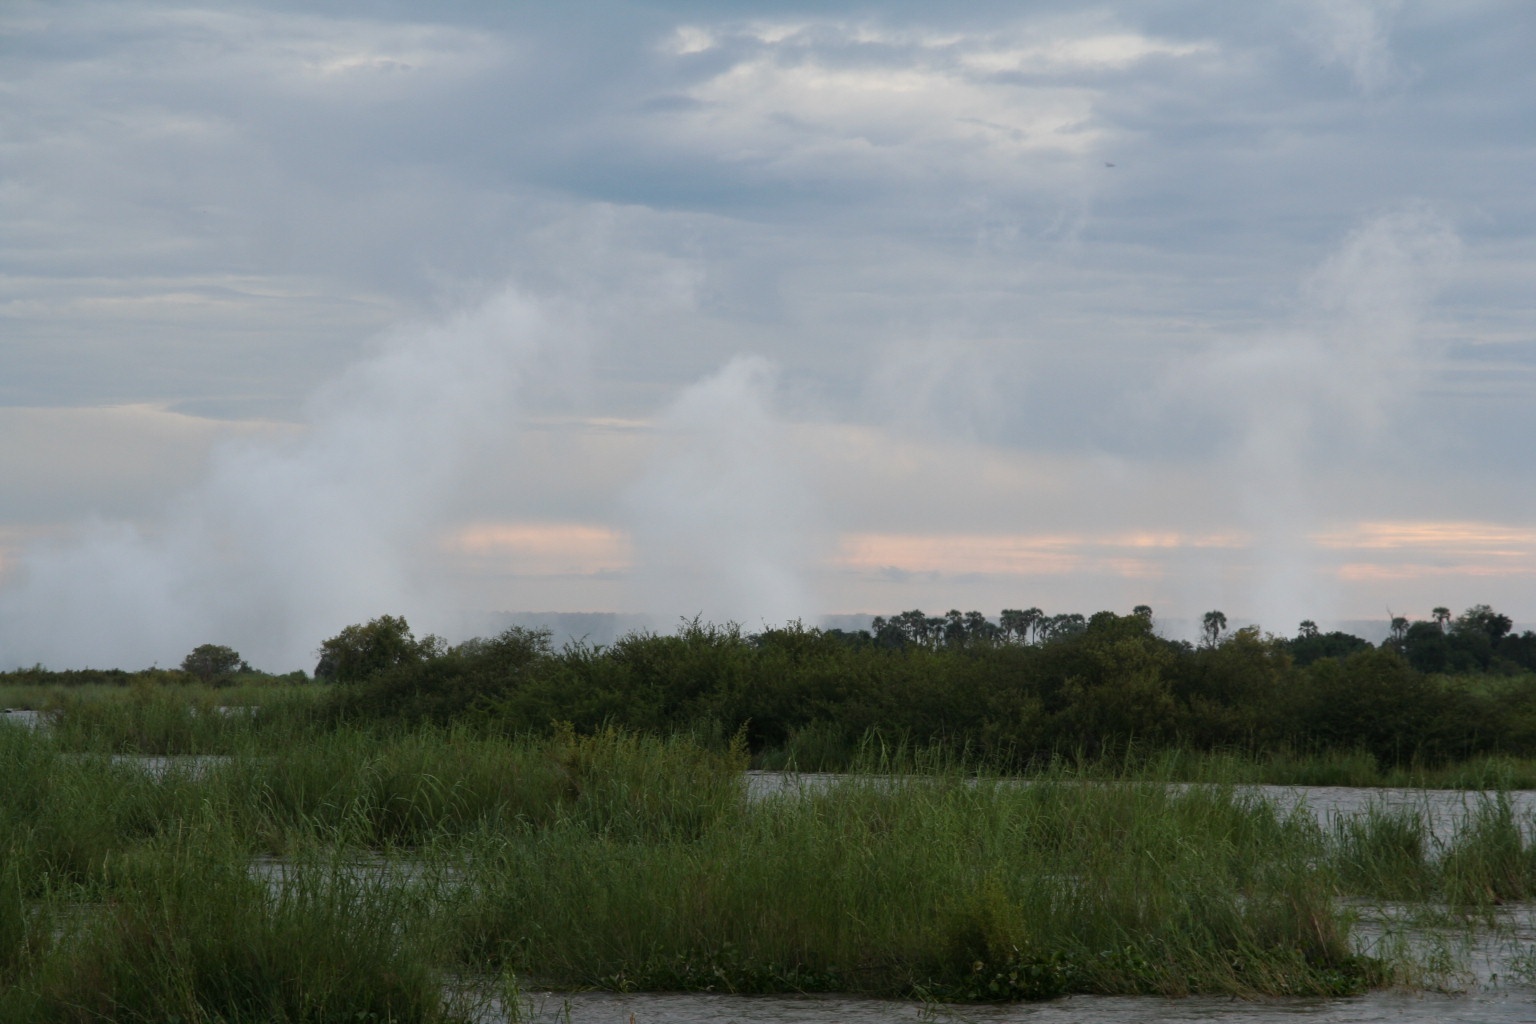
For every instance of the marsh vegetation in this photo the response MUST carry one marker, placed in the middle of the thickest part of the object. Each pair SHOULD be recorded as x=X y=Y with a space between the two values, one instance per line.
x=440 y=828
x=318 y=873
x=1445 y=702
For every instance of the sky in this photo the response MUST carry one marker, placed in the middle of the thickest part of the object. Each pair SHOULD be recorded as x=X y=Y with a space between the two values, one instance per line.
x=758 y=312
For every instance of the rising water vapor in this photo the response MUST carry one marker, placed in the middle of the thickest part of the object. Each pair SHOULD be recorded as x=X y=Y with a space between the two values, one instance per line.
x=723 y=524
x=1298 y=398
x=282 y=543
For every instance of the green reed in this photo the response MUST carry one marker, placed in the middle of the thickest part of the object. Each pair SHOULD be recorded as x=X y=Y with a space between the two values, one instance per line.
x=181 y=930
x=413 y=856
x=953 y=887
x=184 y=720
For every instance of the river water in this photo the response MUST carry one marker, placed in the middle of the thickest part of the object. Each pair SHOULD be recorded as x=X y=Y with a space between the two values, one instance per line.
x=1503 y=1006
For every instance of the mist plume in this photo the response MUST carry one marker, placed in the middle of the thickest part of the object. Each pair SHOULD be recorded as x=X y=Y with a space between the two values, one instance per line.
x=1333 y=383
x=723 y=525
x=284 y=542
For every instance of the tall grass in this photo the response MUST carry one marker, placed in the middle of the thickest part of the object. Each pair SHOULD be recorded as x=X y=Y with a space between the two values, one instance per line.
x=970 y=889
x=622 y=861
x=1489 y=861
x=417 y=787
x=1394 y=854
x=166 y=921
x=1383 y=853
x=187 y=934
x=357 y=788
x=193 y=719
x=157 y=720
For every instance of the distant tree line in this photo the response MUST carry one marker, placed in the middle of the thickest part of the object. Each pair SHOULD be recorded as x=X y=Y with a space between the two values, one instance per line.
x=1024 y=687
x=1014 y=691
x=1478 y=640
x=210 y=664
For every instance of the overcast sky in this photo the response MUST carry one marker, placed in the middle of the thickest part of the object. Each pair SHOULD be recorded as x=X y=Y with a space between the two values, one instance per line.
x=312 y=313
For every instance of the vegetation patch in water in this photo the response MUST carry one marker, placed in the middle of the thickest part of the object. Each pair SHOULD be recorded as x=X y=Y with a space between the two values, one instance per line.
x=625 y=861
x=955 y=887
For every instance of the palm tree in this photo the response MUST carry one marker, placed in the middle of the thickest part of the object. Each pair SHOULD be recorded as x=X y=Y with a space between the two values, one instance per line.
x=954 y=628
x=1212 y=626
x=1034 y=621
x=978 y=628
x=915 y=625
x=1014 y=625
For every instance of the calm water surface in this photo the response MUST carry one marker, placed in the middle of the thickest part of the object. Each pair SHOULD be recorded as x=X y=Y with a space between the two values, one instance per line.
x=1507 y=1006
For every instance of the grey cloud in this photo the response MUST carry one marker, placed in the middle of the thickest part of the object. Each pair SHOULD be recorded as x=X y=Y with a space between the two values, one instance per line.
x=1357 y=35
x=212 y=211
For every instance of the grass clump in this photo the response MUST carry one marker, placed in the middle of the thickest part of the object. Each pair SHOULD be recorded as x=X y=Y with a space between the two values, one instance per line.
x=1489 y=861
x=187 y=720
x=943 y=886
x=416 y=787
x=1385 y=853
x=24 y=930
x=186 y=933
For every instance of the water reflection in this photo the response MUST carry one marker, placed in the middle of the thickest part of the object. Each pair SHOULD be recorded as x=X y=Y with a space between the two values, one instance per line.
x=1489 y=1007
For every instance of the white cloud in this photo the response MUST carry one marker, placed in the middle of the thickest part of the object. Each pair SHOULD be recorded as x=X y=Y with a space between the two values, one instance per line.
x=1357 y=35
x=774 y=33
x=911 y=124
x=317 y=52
x=690 y=39
x=867 y=102
x=1114 y=51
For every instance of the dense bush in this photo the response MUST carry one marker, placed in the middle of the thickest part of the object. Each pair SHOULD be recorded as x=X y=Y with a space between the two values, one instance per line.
x=1107 y=687
x=210 y=662
x=1106 y=690
x=360 y=651
x=438 y=684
